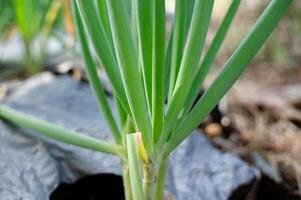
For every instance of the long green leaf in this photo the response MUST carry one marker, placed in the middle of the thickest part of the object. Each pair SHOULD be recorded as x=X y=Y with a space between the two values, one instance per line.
x=103 y=48
x=103 y=13
x=167 y=67
x=158 y=67
x=133 y=23
x=128 y=62
x=93 y=77
x=179 y=35
x=144 y=18
x=243 y=55
x=190 y=8
x=123 y=115
x=192 y=52
x=56 y=132
x=211 y=53
x=25 y=12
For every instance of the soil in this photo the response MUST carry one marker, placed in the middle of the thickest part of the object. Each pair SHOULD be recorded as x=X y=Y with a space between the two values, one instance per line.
x=109 y=186
x=265 y=123
x=264 y=188
x=93 y=187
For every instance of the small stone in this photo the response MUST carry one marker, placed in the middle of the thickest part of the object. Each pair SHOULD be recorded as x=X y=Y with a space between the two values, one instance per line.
x=213 y=130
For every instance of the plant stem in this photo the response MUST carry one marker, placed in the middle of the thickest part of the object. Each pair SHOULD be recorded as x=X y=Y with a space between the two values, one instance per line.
x=28 y=58
x=154 y=178
x=126 y=181
x=160 y=183
x=149 y=179
x=56 y=132
x=134 y=167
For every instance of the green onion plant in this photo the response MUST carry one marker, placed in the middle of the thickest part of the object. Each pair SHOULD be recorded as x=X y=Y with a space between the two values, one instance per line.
x=154 y=80
x=6 y=13
x=35 y=18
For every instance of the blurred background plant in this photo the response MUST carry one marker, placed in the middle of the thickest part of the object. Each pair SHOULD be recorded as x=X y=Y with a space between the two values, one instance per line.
x=34 y=21
x=52 y=18
x=283 y=47
x=6 y=18
x=34 y=17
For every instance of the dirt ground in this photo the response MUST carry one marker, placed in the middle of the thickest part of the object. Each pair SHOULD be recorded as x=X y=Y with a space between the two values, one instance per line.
x=260 y=119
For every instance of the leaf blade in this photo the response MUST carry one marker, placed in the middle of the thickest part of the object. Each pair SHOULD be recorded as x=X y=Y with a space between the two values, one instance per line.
x=103 y=49
x=128 y=62
x=232 y=70
x=144 y=19
x=178 y=41
x=192 y=52
x=96 y=85
x=56 y=132
x=158 y=67
x=211 y=53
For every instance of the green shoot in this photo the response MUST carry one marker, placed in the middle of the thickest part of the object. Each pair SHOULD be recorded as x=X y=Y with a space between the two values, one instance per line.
x=57 y=132
x=95 y=82
x=30 y=22
x=158 y=67
x=192 y=52
x=212 y=52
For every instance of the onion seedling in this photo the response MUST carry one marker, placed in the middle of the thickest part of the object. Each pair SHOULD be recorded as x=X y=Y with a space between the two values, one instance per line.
x=154 y=81
x=35 y=18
